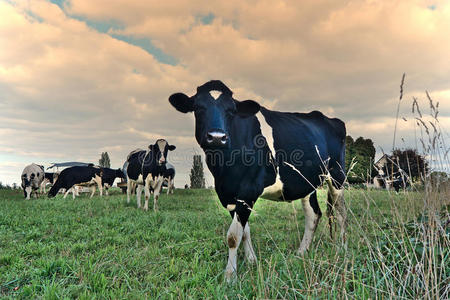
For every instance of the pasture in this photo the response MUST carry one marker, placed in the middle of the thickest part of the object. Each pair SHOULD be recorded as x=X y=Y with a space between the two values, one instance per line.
x=103 y=248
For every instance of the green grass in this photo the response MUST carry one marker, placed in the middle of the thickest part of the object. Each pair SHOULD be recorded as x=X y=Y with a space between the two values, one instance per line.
x=104 y=248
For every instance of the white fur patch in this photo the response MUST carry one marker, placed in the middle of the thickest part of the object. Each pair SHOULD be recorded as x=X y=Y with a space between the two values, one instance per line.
x=215 y=94
x=274 y=191
x=231 y=207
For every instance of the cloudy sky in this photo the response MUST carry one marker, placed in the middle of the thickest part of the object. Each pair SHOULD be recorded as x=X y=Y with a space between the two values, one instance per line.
x=79 y=77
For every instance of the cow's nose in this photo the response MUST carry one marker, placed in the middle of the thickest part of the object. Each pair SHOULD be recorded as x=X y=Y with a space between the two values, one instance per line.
x=216 y=138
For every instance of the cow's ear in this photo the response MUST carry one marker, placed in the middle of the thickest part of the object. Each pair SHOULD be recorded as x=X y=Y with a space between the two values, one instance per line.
x=172 y=147
x=151 y=147
x=182 y=102
x=247 y=108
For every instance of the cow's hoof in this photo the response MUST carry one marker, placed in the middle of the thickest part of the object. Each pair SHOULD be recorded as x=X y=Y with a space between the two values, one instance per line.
x=145 y=208
x=301 y=251
x=230 y=276
x=251 y=258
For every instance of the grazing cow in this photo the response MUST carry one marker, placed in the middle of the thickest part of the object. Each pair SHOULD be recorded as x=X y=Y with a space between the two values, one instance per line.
x=108 y=177
x=169 y=178
x=308 y=149
x=32 y=177
x=146 y=169
x=77 y=175
x=48 y=178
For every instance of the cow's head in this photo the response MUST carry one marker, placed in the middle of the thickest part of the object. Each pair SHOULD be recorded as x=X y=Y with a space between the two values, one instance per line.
x=26 y=184
x=160 y=150
x=119 y=173
x=214 y=109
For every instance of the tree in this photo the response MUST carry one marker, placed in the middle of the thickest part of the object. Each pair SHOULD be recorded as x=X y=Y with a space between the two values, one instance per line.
x=104 y=160
x=410 y=161
x=197 y=177
x=362 y=151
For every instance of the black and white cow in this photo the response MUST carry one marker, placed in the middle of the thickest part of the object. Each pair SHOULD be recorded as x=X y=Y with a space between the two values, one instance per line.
x=308 y=149
x=70 y=177
x=146 y=169
x=108 y=177
x=32 y=177
x=48 y=178
x=169 y=178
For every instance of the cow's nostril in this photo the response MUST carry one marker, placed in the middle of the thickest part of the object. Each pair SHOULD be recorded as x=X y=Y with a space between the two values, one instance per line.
x=209 y=138
x=224 y=139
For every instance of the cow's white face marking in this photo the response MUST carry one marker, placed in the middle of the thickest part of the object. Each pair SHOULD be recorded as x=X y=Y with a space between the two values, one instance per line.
x=215 y=94
x=162 y=145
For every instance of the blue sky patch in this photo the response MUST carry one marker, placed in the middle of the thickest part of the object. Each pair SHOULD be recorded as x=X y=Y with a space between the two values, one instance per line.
x=206 y=19
x=148 y=46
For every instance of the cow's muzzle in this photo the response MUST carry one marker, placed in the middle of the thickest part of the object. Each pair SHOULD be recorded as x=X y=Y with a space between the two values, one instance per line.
x=216 y=138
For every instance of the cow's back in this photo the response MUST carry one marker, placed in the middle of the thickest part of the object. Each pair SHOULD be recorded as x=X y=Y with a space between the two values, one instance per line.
x=306 y=141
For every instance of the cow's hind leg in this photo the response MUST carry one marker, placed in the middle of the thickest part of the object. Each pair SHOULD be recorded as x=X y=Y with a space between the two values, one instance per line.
x=336 y=203
x=138 y=195
x=234 y=237
x=312 y=216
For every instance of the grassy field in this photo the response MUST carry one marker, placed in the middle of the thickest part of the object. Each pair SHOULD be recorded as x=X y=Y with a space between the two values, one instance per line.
x=104 y=248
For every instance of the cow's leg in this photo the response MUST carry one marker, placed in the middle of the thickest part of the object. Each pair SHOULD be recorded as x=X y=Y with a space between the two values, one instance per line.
x=67 y=192
x=248 y=248
x=106 y=189
x=98 y=181
x=168 y=186
x=147 y=195
x=156 y=192
x=128 y=189
x=336 y=201
x=138 y=195
x=172 y=185
x=92 y=191
x=312 y=216
x=234 y=237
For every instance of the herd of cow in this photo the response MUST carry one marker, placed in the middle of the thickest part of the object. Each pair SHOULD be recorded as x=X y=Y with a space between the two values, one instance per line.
x=308 y=150
x=139 y=164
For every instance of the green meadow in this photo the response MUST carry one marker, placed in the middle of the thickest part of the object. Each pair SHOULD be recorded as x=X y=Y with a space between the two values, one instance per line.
x=104 y=248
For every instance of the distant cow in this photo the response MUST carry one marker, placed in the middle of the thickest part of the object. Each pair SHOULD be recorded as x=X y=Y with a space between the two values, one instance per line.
x=146 y=169
x=77 y=175
x=169 y=178
x=108 y=177
x=49 y=178
x=32 y=177
x=308 y=149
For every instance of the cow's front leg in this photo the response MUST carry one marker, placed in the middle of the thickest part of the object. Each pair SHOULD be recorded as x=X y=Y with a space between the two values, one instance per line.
x=156 y=192
x=128 y=189
x=147 y=196
x=67 y=192
x=248 y=248
x=234 y=237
